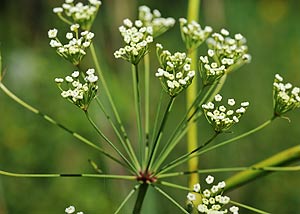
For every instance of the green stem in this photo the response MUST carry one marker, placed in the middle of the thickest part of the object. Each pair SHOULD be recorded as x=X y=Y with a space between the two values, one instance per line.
x=137 y=102
x=178 y=162
x=192 y=134
x=26 y=175
x=124 y=143
x=176 y=186
x=187 y=156
x=109 y=142
x=104 y=84
x=147 y=104
x=170 y=199
x=160 y=133
x=52 y=121
x=282 y=158
x=140 y=198
x=248 y=207
x=127 y=198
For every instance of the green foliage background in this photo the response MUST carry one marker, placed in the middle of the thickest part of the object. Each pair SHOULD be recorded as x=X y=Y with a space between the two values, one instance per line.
x=29 y=144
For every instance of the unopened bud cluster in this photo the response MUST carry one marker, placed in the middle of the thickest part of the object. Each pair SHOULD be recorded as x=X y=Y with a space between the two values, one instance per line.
x=212 y=200
x=137 y=37
x=71 y=210
x=227 y=51
x=77 y=44
x=154 y=19
x=192 y=34
x=223 y=116
x=80 y=89
x=79 y=13
x=286 y=97
x=175 y=73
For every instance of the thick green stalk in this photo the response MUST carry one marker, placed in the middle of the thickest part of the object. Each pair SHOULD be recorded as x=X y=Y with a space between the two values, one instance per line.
x=267 y=166
x=113 y=106
x=52 y=121
x=137 y=102
x=140 y=198
x=192 y=136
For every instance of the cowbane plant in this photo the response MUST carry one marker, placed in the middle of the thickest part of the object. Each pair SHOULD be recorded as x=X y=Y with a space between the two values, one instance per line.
x=150 y=160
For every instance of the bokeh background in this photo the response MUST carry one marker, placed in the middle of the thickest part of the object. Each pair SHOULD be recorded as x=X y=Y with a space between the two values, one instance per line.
x=29 y=144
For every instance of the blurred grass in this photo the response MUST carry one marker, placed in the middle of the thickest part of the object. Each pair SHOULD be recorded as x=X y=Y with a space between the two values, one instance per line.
x=29 y=144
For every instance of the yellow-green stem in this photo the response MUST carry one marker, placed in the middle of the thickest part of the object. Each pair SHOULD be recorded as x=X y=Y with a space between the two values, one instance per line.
x=192 y=14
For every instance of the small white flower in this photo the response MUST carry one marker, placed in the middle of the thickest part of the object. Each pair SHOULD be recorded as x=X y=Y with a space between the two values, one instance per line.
x=58 y=10
x=52 y=33
x=234 y=209
x=69 y=35
x=231 y=102
x=70 y=210
x=209 y=179
x=245 y=104
x=197 y=188
x=59 y=80
x=218 y=98
x=224 y=32
x=69 y=79
x=278 y=77
x=191 y=197
x=74 y=27
x=75 y=74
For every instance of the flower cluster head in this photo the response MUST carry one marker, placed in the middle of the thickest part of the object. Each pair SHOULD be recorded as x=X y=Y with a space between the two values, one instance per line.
x=192 y=34
x=137 y=37
x=210 y=70
x=212 y=200
x=222 y=117
x=71 y=210
x=175 y=73
x=154 y=19
x=75 y=49
x=81 y=89
x=227 y=51
x=79 y=13
x=285 y=96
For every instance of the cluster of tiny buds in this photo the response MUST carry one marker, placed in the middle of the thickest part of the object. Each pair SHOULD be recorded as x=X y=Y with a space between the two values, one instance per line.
x=75 y=49
x=286 y=97
x=137 y=37
x=175 y=72
x=79 y=93
x=222 y=117
x=154 y=19
x=192 y=33
x=210 y=71
x=227 y=51
x=71 y=210
x=79 y=13
x=212 y=200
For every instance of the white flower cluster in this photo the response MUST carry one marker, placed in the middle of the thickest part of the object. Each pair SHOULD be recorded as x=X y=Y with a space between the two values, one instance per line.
x=71 y=210
x=223 y=117
x=286 y=97
x=175 y=72
x=227 y=51
x=79 y=92
x=192 y=33
x=154 y=19
x=212 y=200
x=137 y=37
x=210 y=71
x=79 y=13
x=75 y=49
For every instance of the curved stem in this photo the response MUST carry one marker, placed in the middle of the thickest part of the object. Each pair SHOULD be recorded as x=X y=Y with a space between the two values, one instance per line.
x=248 y=207
x=52 y=121
x=109 y=142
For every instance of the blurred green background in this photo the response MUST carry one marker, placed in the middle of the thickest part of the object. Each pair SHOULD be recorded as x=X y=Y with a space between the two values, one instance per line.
x=29 y=144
